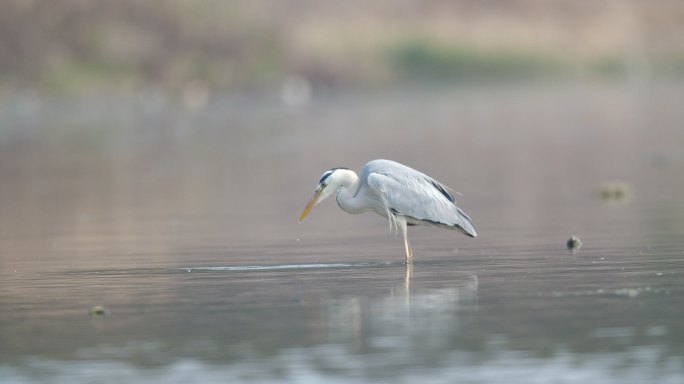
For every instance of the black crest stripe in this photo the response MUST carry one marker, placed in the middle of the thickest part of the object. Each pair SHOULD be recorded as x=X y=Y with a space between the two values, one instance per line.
x=328 y=173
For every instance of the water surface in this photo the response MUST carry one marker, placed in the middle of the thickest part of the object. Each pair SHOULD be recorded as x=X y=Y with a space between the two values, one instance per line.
x=182 y=222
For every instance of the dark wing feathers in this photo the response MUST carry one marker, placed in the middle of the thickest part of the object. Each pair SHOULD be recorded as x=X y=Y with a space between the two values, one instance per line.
x=442 y=189
x=410 y=193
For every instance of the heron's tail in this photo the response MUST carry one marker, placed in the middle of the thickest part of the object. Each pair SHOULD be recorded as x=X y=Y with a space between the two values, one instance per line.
x=465 y=224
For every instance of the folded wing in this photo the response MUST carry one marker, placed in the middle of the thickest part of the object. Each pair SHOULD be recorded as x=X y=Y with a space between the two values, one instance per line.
x=416 y=196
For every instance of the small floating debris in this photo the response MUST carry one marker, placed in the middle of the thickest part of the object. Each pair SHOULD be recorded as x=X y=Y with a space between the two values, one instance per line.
x=574 y=243
x=615 y=192
x=99 y=311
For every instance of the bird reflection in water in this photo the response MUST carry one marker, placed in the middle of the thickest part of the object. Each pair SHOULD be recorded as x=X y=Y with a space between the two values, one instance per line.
x=414 y=311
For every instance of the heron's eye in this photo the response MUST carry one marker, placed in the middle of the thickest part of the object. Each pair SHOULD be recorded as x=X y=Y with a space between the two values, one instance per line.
x=324 y=177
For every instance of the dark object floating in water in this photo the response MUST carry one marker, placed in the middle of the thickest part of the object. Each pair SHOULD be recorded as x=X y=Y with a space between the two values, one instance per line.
x=98 y=311
x=574 y=243
x=615 y=192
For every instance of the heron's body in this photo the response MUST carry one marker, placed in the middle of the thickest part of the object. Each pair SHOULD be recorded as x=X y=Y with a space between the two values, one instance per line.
x=401 y=194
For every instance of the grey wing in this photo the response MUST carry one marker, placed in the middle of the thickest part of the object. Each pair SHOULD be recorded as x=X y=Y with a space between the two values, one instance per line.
x=416 y=196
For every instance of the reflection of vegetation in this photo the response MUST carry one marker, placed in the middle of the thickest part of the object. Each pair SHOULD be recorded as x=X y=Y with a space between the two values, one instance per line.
x=616 y=192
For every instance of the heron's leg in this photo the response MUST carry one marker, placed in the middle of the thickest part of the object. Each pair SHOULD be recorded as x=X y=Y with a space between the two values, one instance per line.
x=409 y=251
x=407 y=246
x=408 y=275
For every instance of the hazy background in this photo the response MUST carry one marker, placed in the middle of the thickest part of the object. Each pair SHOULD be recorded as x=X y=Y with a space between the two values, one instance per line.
x=155 y=157
x=194 y=47
x=211 y=98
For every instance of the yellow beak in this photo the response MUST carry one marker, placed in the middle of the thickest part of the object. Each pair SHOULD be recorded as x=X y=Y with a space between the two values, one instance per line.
x=312 y=203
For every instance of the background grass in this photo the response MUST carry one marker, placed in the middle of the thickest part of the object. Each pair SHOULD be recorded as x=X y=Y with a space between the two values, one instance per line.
x=106 y=45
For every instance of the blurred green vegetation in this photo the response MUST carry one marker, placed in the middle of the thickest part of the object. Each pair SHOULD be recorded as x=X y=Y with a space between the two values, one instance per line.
x=105 y=45
x=67 y=45
x=425 y=58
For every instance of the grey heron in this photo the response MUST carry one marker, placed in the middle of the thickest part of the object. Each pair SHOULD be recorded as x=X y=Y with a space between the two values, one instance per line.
x=401 y=194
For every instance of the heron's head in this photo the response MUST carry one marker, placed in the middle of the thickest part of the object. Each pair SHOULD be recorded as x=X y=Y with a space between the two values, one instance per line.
x=327 y=185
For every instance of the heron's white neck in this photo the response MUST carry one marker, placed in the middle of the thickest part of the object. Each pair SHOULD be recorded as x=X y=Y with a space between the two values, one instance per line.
x=346 y=193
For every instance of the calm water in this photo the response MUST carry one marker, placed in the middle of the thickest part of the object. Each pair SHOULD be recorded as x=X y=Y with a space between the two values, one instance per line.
x=181 y=220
